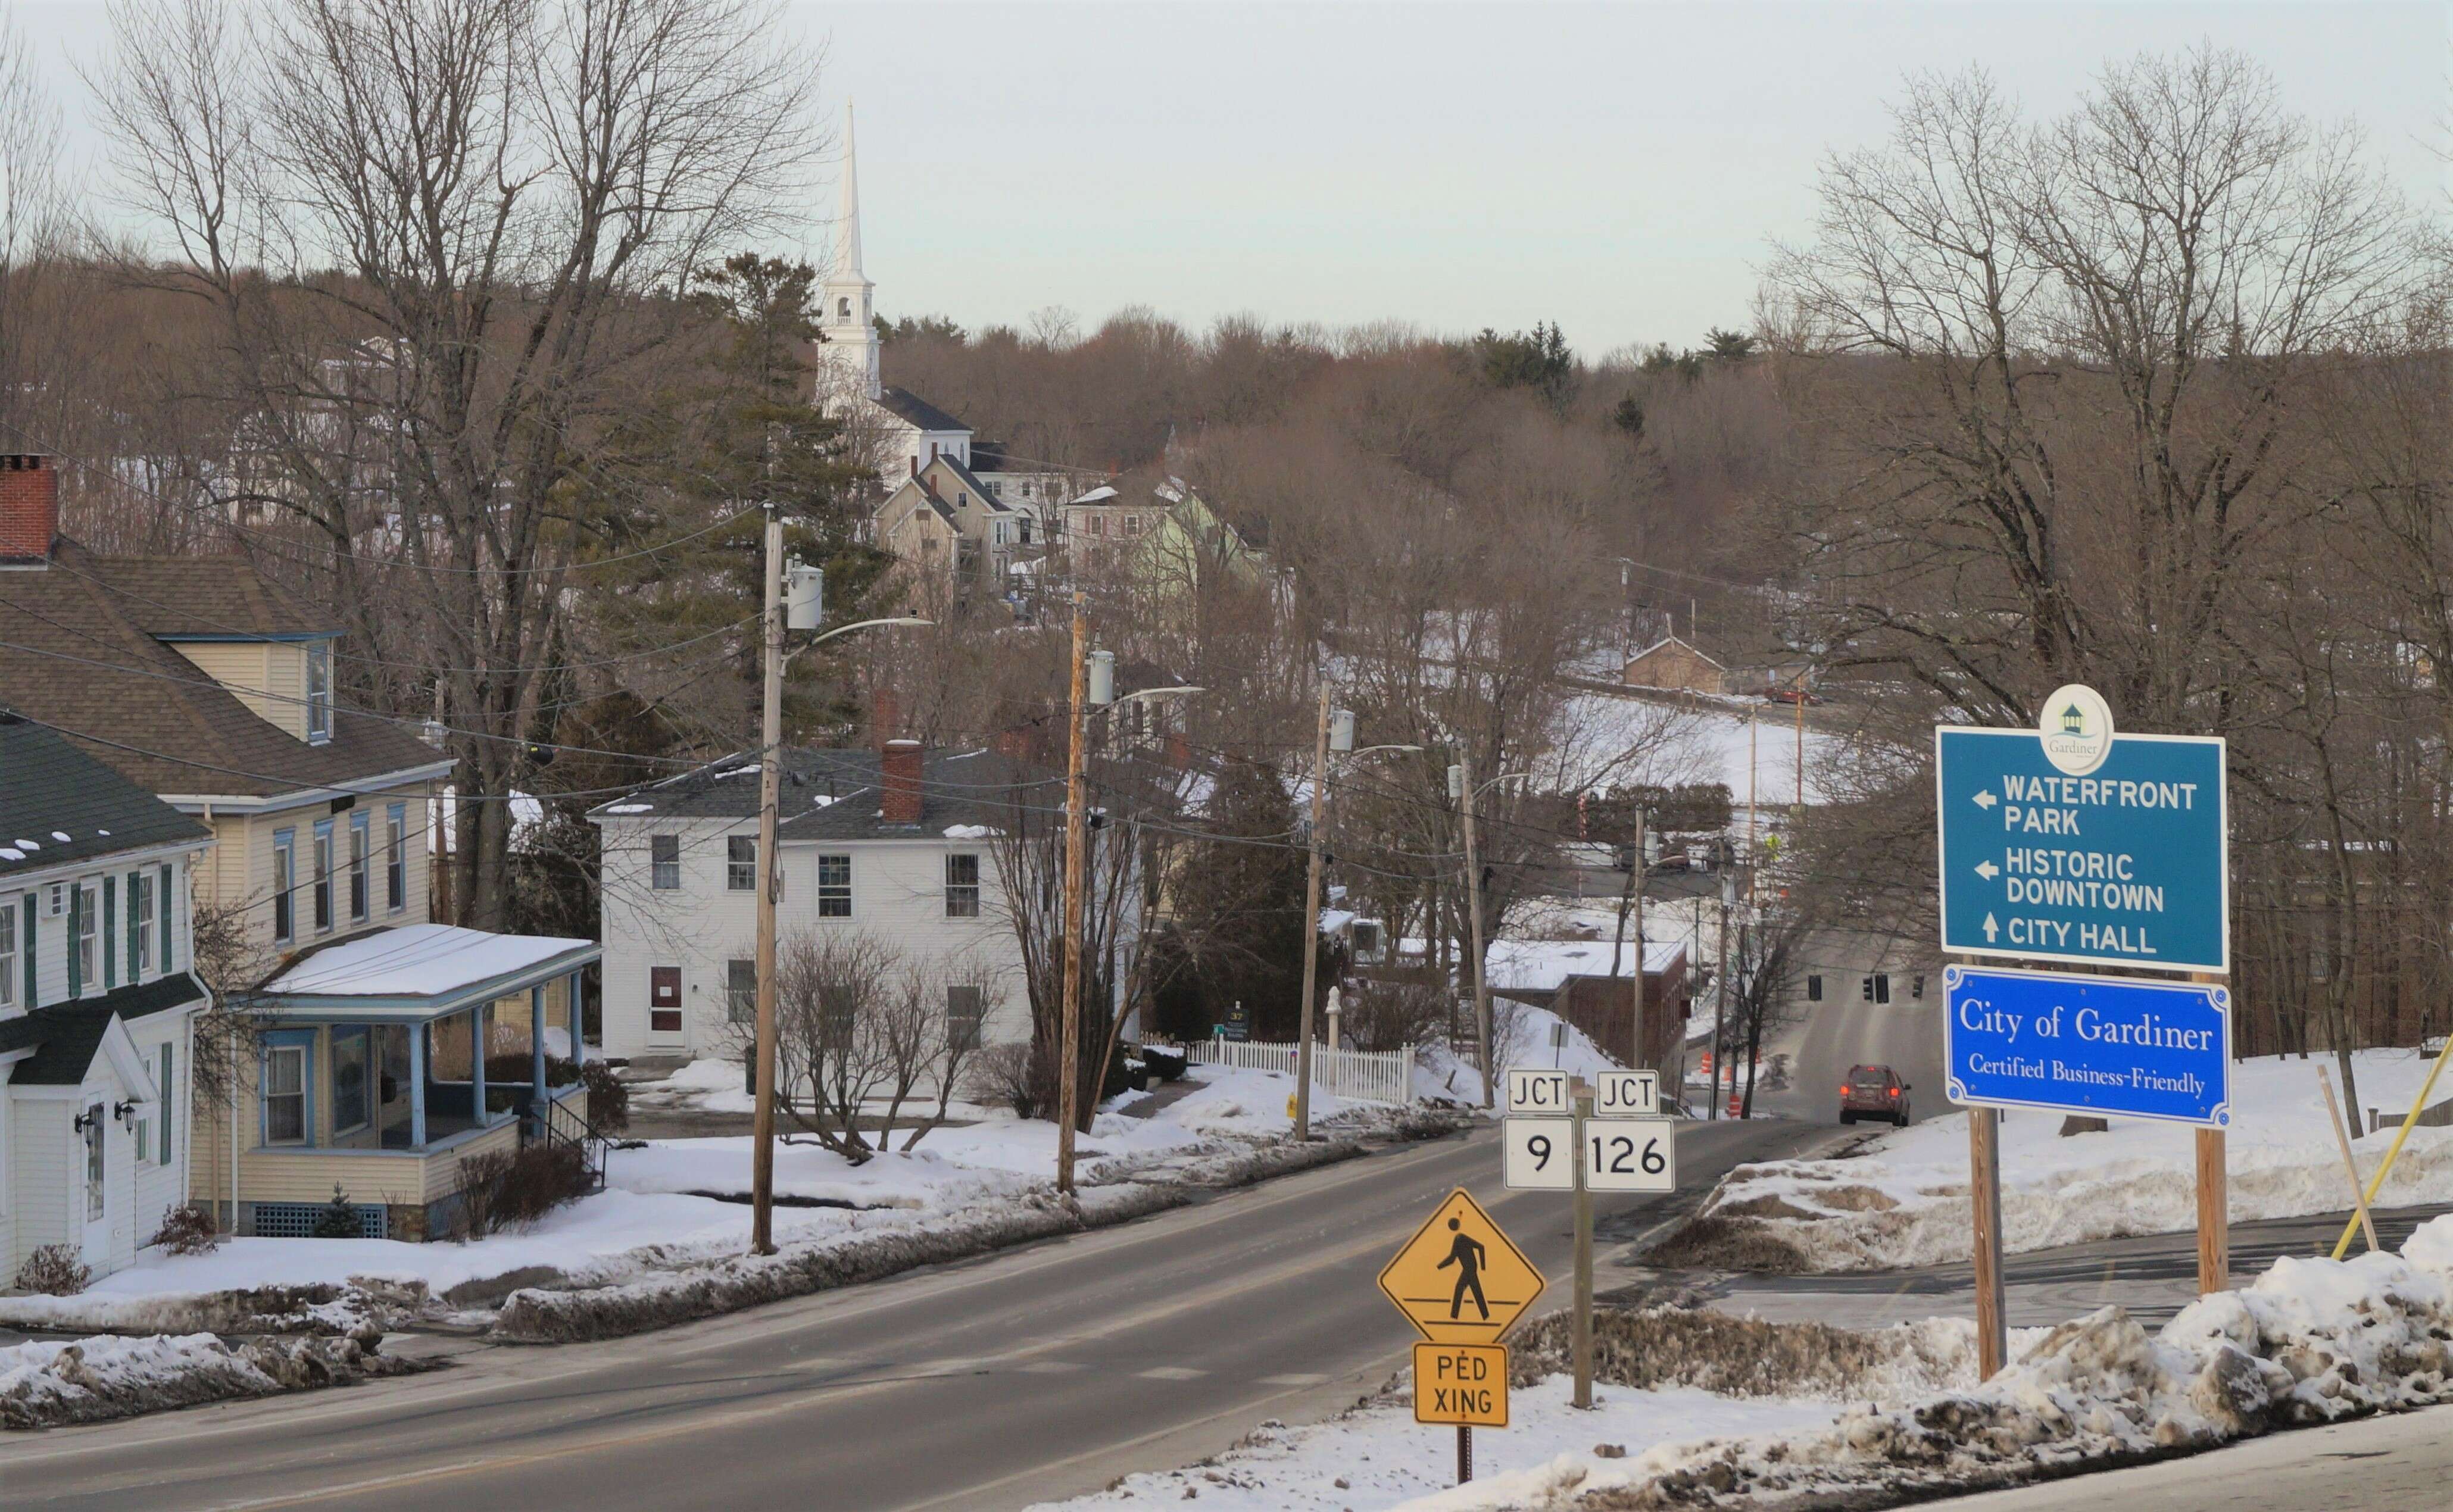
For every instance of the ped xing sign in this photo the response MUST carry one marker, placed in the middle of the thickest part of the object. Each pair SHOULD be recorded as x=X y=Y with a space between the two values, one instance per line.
x=1466 y=1385
x=2111 y=1046
x=2073 y=843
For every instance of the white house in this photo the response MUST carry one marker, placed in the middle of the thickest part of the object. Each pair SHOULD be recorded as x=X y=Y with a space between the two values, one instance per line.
x=899 y=843
x=96 y=1003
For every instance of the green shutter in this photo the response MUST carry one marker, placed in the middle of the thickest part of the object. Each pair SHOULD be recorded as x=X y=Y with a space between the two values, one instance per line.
x=169 y=926
x=28 y=943
x=136 y=884
x=103 y=940
x=76 y=916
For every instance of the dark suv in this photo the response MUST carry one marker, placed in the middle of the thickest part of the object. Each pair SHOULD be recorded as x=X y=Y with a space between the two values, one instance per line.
x=1874 y=1092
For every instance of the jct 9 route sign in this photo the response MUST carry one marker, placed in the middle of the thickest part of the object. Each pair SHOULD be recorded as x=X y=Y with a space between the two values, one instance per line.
x=2084 y=846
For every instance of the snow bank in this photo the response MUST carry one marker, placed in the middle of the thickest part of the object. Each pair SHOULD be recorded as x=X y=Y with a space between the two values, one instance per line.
x=44 y=1386
x=1902 y=1199
x=2312 y=1341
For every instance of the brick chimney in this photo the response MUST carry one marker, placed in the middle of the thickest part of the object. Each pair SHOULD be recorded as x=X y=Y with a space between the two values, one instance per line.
x=29 y=507
x=884 y=716
x=1179 y=751
x=899 y=800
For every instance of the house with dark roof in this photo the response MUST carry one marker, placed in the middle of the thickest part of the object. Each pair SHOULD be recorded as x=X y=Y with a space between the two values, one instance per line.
x=898 y=845
x=97 y=1002
x=213 y=690
x=951 y=529
x=207 y=686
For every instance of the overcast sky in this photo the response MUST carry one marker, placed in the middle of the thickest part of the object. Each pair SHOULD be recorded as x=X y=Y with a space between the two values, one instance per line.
x=1619 y=169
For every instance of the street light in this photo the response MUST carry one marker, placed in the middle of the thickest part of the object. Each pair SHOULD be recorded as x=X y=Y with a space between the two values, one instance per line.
x=801 y=611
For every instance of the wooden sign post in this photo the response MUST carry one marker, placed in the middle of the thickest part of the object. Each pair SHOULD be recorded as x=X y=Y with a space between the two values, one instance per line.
x=1984 y=1194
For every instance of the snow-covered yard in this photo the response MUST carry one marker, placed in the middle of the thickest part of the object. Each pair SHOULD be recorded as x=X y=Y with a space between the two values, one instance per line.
x=675 y=1204
x=1903 y=1200
x=1697 y=1419
x=1523 y=1037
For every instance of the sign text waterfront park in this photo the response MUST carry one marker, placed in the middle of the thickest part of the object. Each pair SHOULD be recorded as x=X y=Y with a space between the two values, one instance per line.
x=2123 y=865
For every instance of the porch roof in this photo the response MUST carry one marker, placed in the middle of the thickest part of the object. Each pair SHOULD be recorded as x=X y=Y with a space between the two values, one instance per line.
x=417 y=972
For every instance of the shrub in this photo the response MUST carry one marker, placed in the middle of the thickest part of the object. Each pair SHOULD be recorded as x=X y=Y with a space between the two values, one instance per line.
x=186 y=1229
x=55 y=1271
x=500 y=1188
x=1166 y=1065
x=338 y=1218
x=1015 y=1075
x=609 y=1097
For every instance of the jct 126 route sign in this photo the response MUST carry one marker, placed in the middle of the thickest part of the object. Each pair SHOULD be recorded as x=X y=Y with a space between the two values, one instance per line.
x=2070 y=843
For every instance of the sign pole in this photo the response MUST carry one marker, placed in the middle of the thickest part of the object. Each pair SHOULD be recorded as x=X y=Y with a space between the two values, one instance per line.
x=1465 y=1454
x=1985 y=1191
x=2214 y=1197
x=1584 y=1326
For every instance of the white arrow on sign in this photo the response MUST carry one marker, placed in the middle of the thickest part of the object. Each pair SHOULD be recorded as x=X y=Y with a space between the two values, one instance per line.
x=1992 y=931
x=1985 y=800
x=1987 y=870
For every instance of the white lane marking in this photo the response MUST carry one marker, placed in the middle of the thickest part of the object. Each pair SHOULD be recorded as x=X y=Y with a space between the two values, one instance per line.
x=1171 y=1373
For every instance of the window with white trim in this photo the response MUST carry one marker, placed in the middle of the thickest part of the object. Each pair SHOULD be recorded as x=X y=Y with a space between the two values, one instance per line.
x=140 y=925
x=89 y=929
x=963 y=884
x=360 y=884
x=965 y=1009
x=741 y=991
x=8 y=952
x=323 y=875
x=284 y=882
x=319 y=692
x=834 y=886
x=740 y=863
x=664 y=862
x=396 y=858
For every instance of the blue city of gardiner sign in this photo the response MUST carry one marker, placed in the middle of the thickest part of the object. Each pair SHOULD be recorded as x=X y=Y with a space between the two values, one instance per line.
x=2127 y=865
x=2112 y=1046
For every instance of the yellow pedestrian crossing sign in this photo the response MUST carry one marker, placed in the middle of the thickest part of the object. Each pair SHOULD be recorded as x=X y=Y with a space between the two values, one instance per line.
x=1459 y=1280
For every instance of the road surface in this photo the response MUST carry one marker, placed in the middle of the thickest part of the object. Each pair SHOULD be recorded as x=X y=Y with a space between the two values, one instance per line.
x=2152 y=1274
x=1041 y=1372
x=1906 y=1036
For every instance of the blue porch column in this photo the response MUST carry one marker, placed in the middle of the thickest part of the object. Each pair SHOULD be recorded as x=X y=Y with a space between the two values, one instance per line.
x=537 y=1050
x=477 y=1063
x=417 y=1085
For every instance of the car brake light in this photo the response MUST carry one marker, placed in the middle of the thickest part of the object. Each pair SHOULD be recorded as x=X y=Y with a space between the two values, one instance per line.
x=1895 y=1091
x=1845 y=1090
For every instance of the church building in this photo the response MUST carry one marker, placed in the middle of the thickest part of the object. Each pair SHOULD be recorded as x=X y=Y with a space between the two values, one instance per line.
x=952 y=504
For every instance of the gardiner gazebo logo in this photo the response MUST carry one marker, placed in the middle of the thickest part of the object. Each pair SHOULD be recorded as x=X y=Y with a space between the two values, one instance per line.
x=2076 y=728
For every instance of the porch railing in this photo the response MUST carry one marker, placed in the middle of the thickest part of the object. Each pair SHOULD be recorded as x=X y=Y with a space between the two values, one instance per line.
x=566 y=1123
x=1358 y=1076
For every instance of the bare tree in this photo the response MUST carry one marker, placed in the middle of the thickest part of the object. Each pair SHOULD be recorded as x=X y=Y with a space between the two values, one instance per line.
x=840 y=1005
x=443 y=239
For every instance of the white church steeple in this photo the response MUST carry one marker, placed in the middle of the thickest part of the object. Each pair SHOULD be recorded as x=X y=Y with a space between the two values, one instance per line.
x=848 y=358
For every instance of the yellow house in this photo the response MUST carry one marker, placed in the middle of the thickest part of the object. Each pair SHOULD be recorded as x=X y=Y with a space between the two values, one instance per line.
x=362 y=1082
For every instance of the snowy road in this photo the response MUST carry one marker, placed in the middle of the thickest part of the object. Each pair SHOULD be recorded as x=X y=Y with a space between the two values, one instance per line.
x=1047 y=1371
x=1904 y=1036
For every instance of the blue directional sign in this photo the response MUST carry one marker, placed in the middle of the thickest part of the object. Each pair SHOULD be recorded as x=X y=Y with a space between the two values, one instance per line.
x=2113 y=1046
x=2129 y=864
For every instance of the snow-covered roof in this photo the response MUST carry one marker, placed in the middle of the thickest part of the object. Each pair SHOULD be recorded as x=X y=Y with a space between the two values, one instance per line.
x=1333 y=920
x=419 y=960
x=1544 y=966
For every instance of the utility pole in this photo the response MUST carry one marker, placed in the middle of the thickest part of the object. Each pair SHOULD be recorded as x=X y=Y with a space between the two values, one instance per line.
x=1473 y=908
x=1642 y=874
x=1721 y=999
x=1312 y=921
x=770 y=796
x=1076 y=848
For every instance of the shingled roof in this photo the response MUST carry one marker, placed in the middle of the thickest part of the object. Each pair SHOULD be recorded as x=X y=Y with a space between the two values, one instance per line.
x=84 y=648
x=60 y=806
x=835 y=794
x=914 y=410
x=65 y=1037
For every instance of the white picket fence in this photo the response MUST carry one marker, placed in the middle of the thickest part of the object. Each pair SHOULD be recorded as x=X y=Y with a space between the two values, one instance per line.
x=1358 y=1076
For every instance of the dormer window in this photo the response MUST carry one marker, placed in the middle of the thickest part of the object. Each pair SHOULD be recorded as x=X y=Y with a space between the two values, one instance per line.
x=319 y=692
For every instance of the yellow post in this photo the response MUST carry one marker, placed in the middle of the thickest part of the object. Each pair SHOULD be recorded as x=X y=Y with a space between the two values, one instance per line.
x=2409 y=1121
